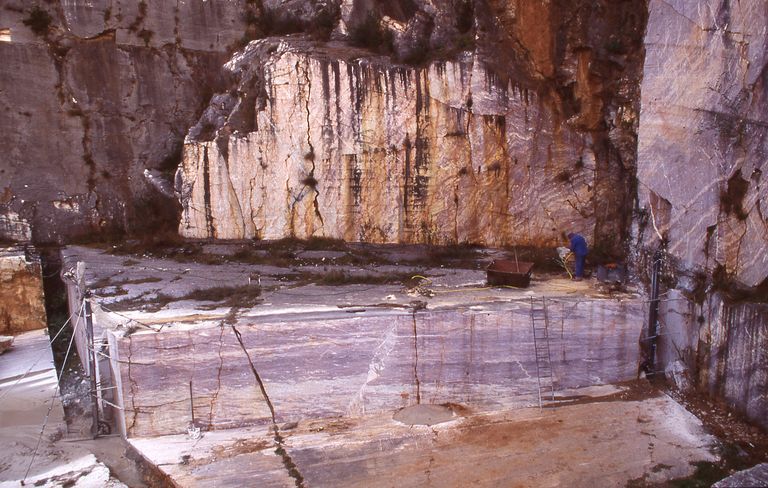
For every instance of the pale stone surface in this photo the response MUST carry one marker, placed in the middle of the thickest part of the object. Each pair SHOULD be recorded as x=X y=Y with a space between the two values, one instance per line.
x=319 y=368
x=592 y=444
x=341 y=350
x=702 y=141
x=29 y=399
x=734 y=365
x=722 y=345
x=749 y=478
x=360 y=149
x=22 y=306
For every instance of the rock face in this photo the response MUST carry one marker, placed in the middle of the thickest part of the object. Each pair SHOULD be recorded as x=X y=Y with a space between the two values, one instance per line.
x=702 y=141
x=755 y=476
x=5 y=343
x=733 y=364
x=365 y=151
x=328 y=368
x=120 y=82
x=94 y=93
x=320 y=139
x=701 y=154
x=722 y=345
x=21 y=293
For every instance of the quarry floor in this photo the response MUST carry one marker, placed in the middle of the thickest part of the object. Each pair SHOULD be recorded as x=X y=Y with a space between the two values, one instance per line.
x=611 y=436
x=631 y=434
x=195 y=283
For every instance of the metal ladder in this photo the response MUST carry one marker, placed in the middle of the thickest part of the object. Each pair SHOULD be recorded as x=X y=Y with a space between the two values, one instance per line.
x=540 y=326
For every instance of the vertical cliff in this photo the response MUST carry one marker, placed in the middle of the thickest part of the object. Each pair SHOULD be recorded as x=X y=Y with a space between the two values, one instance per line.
x=120 y=82
x=21 y=292
x=349 y=146
x=702 y=192
x=702 y=139
x=96 y=99
x=509 y=127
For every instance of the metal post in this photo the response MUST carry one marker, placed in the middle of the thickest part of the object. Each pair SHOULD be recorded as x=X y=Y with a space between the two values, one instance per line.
x=653 y=314
x=192 y=404
x=91 y=367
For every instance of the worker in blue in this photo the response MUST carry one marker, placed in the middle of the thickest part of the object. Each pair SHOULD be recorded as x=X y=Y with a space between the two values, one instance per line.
x=578 y=246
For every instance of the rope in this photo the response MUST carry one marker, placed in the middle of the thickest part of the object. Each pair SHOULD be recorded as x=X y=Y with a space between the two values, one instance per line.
x=53 y=400
x=129 y=319
x=10 y=388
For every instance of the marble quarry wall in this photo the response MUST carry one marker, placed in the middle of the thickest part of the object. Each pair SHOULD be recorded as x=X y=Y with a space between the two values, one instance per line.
x=363 y=151
x=350 y=367
x=495 y=146
x=97 y=97
x=702 y=143
x=121 y=82
x=702 y=150
x=720 y=347
x=733 y=362
x=22 y=307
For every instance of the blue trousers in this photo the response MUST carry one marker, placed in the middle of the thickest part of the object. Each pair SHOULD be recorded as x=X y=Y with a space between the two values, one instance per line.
x=579 y=273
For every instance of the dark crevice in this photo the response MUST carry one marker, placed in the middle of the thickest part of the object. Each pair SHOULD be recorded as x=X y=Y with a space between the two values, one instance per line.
x=290 y=466
x=416 y=360
x=215 y=395
x=207 y=193
x=56 y=306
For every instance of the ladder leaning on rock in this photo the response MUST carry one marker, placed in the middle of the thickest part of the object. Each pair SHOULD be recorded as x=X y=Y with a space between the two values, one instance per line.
x=544 y=377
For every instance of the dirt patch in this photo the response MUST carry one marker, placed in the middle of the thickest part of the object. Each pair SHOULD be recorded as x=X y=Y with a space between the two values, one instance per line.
x=742 y=444
x=220 y=296
x=630 y=391
x=335 y=426
x=341 y=277
x=229 y=296
x=424 y=414
x=240 y=446
x=288 y=253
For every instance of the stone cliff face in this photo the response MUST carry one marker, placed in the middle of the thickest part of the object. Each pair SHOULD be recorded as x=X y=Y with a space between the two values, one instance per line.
x=702 y=191
x=528 y=133
x=95 y=94
x=362 y=150
x=119 y=83
x=702 y=139
x=341 y=368
x=21 y=292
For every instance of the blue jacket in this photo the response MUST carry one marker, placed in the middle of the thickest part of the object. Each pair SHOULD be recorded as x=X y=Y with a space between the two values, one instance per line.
x=578 y=245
